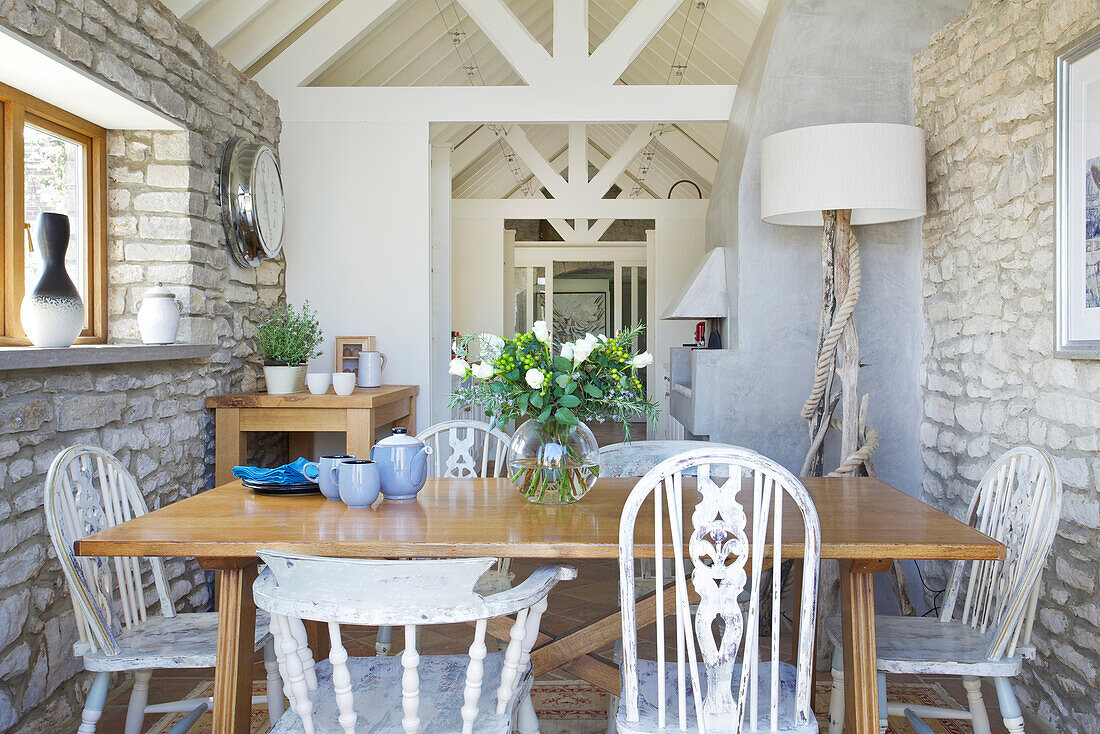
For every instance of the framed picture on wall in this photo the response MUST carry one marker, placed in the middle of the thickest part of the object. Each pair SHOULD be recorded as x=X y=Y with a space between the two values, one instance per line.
x=1077 y=199
x=347 y=352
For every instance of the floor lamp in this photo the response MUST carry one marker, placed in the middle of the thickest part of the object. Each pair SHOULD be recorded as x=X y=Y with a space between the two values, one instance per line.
x=833 y=177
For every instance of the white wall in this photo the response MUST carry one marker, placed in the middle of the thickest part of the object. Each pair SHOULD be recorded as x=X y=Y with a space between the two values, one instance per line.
x=679 y=248
x=357 y=238
x=479 y=286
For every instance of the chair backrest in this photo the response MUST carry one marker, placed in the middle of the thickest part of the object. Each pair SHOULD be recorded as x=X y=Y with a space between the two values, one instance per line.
x=407 y=593
x=1019 y=503
x=88 y=490
x=635 y=458
x=465 y=448
x=719 y=547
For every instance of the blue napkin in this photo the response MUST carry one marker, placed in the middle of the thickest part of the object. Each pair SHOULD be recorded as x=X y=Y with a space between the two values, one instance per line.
x=292 y=473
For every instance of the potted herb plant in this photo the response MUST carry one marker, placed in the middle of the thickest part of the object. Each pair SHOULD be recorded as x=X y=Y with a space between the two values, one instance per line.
x=287 y=339
x=553 y=457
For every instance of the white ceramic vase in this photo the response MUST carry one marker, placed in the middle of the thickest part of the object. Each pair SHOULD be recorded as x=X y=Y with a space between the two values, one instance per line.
x=285 y=380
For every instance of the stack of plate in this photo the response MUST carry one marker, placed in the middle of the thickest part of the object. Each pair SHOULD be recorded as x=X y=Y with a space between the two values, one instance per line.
x=285 y=489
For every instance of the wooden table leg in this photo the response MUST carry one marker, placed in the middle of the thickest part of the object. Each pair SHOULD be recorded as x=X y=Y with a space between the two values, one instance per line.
x=857 y=611
x=236 y=645
x=360 y=432
x=230 y=444
x=300 y=443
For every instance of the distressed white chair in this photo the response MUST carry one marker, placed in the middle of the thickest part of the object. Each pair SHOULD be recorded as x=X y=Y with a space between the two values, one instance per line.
x=747 y=688
x=1018 y=502
x=465 y=448
x=439 y=694
x=88 y=490
x=635 y=458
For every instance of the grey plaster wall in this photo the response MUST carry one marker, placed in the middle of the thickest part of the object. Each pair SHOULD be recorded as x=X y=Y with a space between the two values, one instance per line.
x=830 y=61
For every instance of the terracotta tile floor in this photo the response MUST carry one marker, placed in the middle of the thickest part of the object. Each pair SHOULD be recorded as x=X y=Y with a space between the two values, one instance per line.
x=590 y=597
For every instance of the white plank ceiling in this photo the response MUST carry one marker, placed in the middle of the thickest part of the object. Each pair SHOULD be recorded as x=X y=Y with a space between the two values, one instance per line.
x=435 y=43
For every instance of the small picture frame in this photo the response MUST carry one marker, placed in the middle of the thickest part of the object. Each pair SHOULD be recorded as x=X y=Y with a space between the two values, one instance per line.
x=1077 y=199
x=347 y=352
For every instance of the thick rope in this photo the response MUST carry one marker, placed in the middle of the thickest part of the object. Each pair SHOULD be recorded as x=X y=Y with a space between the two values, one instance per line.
x=859 y=457
x=827 y=358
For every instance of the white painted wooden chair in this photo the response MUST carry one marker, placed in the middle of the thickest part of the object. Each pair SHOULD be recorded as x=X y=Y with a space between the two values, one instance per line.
x=439 y=694
x=635 y=458
x=88 y=490
x=465 y=448
x=1018 y=502
x=746 y=688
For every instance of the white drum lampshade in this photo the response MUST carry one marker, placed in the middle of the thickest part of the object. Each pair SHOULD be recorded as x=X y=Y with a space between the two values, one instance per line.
x=874 y=169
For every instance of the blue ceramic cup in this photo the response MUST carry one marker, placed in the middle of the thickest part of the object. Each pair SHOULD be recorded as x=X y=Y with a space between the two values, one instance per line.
x=324 y=479
x=358 y=482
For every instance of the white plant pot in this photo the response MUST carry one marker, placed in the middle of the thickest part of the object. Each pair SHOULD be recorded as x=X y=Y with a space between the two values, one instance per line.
x=282 y=380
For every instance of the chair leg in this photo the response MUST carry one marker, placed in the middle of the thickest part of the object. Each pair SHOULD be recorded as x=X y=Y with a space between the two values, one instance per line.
x=836 y=698
x=1010 y=707
x=275 y=702
x=973 y=688
x=135 y=712
x=382 y=641
x=93 y=706
x=883 y=714
x=528 y=722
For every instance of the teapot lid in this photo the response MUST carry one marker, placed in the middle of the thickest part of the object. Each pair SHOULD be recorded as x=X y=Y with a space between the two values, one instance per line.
x=158 y=291
x=400 y=437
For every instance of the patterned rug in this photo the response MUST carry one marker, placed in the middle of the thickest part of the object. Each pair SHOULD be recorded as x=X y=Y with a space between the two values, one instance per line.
x=577 y=707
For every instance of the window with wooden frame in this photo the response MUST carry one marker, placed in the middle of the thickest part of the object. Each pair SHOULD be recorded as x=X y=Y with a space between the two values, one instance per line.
x=51 y=160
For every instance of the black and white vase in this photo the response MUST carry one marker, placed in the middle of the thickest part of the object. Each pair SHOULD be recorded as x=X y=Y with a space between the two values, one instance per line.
x=53 y=313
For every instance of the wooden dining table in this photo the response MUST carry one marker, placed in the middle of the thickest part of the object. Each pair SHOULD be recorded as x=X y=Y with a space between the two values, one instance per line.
x=865 y=524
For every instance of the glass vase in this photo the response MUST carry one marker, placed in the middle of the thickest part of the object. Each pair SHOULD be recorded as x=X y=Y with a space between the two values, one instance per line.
x=553 y=464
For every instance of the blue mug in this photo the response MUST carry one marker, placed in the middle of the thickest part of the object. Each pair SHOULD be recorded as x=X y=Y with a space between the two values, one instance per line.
x=358 y=482
x=324 y=479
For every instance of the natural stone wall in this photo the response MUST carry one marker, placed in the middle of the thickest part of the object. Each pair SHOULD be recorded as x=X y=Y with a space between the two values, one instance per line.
x=984 y=91
x=164 y=225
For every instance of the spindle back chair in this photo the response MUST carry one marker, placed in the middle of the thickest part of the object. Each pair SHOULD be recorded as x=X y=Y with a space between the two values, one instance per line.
x=722 y=542
x=88 y=490
x=477 y=692
x=465 y=448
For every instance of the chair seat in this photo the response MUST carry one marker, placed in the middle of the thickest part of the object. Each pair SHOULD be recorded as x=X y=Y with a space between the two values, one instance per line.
x=647 y=723
x=376 y=691
x=927 y=645
x=183 y=641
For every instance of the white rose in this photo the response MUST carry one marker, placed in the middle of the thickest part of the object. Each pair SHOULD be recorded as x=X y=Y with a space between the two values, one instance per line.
x=602 y=338
x=567 y=350
x=483 y=370
x=590 y=339
x=459 y=367
x=542 y=333
x=534 y=378
x=642 y=360
x=581 y=350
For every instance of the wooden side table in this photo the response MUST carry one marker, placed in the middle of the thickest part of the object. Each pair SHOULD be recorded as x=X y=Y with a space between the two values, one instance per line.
x=359 y=415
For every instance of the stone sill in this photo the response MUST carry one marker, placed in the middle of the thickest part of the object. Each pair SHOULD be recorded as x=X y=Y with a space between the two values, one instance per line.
x=27 y=358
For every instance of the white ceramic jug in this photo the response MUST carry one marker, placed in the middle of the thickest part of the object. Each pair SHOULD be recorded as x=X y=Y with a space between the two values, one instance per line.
x=159 y=316
x=371 y=365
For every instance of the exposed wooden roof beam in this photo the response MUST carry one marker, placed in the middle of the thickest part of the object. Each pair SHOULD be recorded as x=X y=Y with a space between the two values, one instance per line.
x=330 y=38
x=620 y=160
x=184 y=8
x=512 y=38
x=626 y=40
x=280 y=19
x=540 y=166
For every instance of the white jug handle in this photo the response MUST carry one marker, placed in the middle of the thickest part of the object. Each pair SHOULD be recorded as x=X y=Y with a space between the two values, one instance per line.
x=383 y=360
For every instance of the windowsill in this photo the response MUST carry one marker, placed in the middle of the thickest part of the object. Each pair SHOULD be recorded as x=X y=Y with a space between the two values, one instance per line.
x=26 y=358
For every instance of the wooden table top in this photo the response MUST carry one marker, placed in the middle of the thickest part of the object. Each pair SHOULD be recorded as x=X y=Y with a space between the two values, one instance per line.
x=362 y=397
x=861 y=518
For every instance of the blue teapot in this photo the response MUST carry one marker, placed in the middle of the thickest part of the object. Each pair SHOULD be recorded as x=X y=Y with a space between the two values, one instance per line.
x=403 y=463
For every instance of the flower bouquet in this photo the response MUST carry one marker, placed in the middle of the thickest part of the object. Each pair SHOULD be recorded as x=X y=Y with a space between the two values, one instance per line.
x=553 y=457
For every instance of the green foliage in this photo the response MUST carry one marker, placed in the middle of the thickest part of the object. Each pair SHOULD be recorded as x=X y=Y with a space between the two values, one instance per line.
x=603 y=386
x=290 y=336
